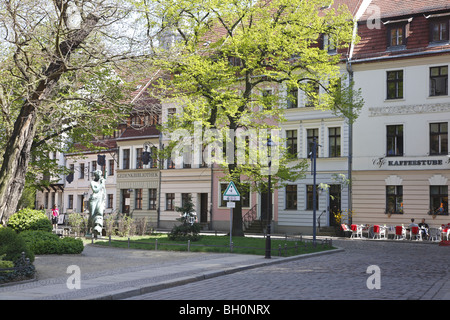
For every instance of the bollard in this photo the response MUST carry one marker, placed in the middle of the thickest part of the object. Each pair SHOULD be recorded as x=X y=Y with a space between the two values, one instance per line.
x=156 y=244
x=279 y=250
x=285 y=250
x=128 y=243
x=110 y=240
x=189 y=245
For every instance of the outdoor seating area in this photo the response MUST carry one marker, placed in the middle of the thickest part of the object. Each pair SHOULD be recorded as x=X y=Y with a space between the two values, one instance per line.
x=396 y=232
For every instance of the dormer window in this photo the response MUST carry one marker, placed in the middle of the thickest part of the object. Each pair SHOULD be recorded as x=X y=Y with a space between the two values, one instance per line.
x=439 y=31
x=328 y=44
x=397 y=36
x=439 y=27
x=397 y=33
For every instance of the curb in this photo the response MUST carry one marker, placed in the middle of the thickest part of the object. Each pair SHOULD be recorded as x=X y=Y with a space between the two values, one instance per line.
x=136 y=291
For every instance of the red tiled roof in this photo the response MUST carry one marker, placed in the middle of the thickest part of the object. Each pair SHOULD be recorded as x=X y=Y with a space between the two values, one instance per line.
x=134 y=132
x=398 y=8
x=374 y=40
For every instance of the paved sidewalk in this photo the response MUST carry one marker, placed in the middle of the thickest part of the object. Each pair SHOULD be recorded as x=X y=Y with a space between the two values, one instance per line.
x=112 y=273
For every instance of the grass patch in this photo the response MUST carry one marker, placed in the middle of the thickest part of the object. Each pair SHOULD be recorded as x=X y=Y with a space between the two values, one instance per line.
x=207 y=243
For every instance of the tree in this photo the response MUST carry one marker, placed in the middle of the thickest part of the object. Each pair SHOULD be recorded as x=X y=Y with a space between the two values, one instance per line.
x=61 y=65
x=225 y=57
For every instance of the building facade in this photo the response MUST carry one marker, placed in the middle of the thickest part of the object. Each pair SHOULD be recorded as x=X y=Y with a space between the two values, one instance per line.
x=401 y=164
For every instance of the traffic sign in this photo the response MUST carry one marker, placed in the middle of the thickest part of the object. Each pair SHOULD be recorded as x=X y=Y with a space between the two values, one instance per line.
x=231 y=193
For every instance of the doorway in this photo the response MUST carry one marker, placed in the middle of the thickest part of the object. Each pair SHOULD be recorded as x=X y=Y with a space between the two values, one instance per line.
x=203 y=207
x=335 y=204
x=125 y=201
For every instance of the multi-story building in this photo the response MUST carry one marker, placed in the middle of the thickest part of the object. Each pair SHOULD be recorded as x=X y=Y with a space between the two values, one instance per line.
x=401 y=159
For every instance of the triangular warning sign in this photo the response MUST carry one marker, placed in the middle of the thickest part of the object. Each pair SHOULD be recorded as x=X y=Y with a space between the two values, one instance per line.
x=231 y=191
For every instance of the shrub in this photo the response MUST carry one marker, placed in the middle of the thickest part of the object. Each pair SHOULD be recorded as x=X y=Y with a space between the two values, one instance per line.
x=78 y=222
x=185 y=232
x=12 y=246
x=48 y=243
x=29 y=219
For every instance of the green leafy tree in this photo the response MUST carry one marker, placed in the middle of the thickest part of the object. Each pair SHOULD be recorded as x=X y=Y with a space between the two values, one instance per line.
x=62 y=78
x=225 y=56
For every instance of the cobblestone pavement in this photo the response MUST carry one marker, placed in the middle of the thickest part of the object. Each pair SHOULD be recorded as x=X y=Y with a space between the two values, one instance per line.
x=408 y=270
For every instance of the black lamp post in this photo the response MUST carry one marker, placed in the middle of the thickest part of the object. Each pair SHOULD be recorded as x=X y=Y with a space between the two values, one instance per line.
x=314 y=160
x=270 y=143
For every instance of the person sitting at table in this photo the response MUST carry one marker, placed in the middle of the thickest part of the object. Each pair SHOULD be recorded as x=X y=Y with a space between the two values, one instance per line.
x=423 y=229
x=412 y=224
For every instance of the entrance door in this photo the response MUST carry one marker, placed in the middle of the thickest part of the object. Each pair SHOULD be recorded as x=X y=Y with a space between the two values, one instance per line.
x=125 y=201
x=335 y=203
x=203 y=207
x=264 y=210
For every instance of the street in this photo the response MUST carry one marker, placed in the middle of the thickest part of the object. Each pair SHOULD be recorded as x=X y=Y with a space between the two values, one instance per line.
x=367 y=270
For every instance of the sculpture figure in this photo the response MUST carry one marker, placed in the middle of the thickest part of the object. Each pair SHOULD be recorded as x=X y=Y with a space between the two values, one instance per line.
x=97 y=202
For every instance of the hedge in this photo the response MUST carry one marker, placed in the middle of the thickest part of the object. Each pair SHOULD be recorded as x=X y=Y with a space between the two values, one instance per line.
x=41 y=242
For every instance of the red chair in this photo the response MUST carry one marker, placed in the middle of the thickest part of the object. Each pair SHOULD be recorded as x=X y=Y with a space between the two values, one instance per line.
x=400 y=233
x=379 y=232
x=415 y=233
x=356 y=231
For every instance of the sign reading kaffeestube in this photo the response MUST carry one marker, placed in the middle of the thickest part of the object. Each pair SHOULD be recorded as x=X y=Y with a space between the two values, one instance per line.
x=415 y=163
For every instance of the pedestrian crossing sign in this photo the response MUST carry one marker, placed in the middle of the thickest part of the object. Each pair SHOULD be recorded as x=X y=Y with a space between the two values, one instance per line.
x=231 y=193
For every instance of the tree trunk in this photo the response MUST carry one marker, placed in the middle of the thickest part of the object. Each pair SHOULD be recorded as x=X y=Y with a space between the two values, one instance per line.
x=15 y=161
x=17 y=152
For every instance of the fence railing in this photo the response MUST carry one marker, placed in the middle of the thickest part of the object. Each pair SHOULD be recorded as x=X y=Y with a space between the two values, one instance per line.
x=298 y=243
x=23 y=270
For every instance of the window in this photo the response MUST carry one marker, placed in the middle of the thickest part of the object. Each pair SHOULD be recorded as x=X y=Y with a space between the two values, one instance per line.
x=171 y=111
x=291 y=142
x=439 y=31
x=126 y=159
x=312 y=94
x=138 y=199
x=152 y=199
x=395 y=84
x=439 y=138
x=94 y=167
x=291 y=197
x=439 y=81
x=109 y=203
x=397 y=36
x=111 y=167
x=394 y=140
x=309 y=198
x=267 y=99
x=170 y=201
x=81 y=170
x=292 y=98
x=394 y=199
x=170 y=164
x=312 y=134
x=70 y=202
x=139 y=162
x=153 y=157
x=439 y=199
x=329 y=44
x=334 y=140
x=185 y=197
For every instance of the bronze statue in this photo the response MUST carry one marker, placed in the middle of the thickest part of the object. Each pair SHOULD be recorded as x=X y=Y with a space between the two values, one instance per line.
x=97 y=203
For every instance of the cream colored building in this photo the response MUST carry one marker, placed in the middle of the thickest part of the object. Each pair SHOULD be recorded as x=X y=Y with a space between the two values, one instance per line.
x=401 y=164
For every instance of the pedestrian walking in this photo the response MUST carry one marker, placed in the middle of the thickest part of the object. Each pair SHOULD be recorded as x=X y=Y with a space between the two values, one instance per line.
x=55 y=214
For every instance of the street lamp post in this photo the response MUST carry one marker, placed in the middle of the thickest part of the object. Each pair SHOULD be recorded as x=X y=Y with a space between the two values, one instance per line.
x=270 y=143
x=314 y=160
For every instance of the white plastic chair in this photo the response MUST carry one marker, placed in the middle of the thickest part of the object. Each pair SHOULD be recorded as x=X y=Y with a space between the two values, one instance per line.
x=434 y=234
x=356 y=231
x=415 y=232
x=379 y=231
x=400 y=233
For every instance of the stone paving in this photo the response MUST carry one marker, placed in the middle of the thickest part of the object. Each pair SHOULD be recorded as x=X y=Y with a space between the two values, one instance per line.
x=408 y=270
